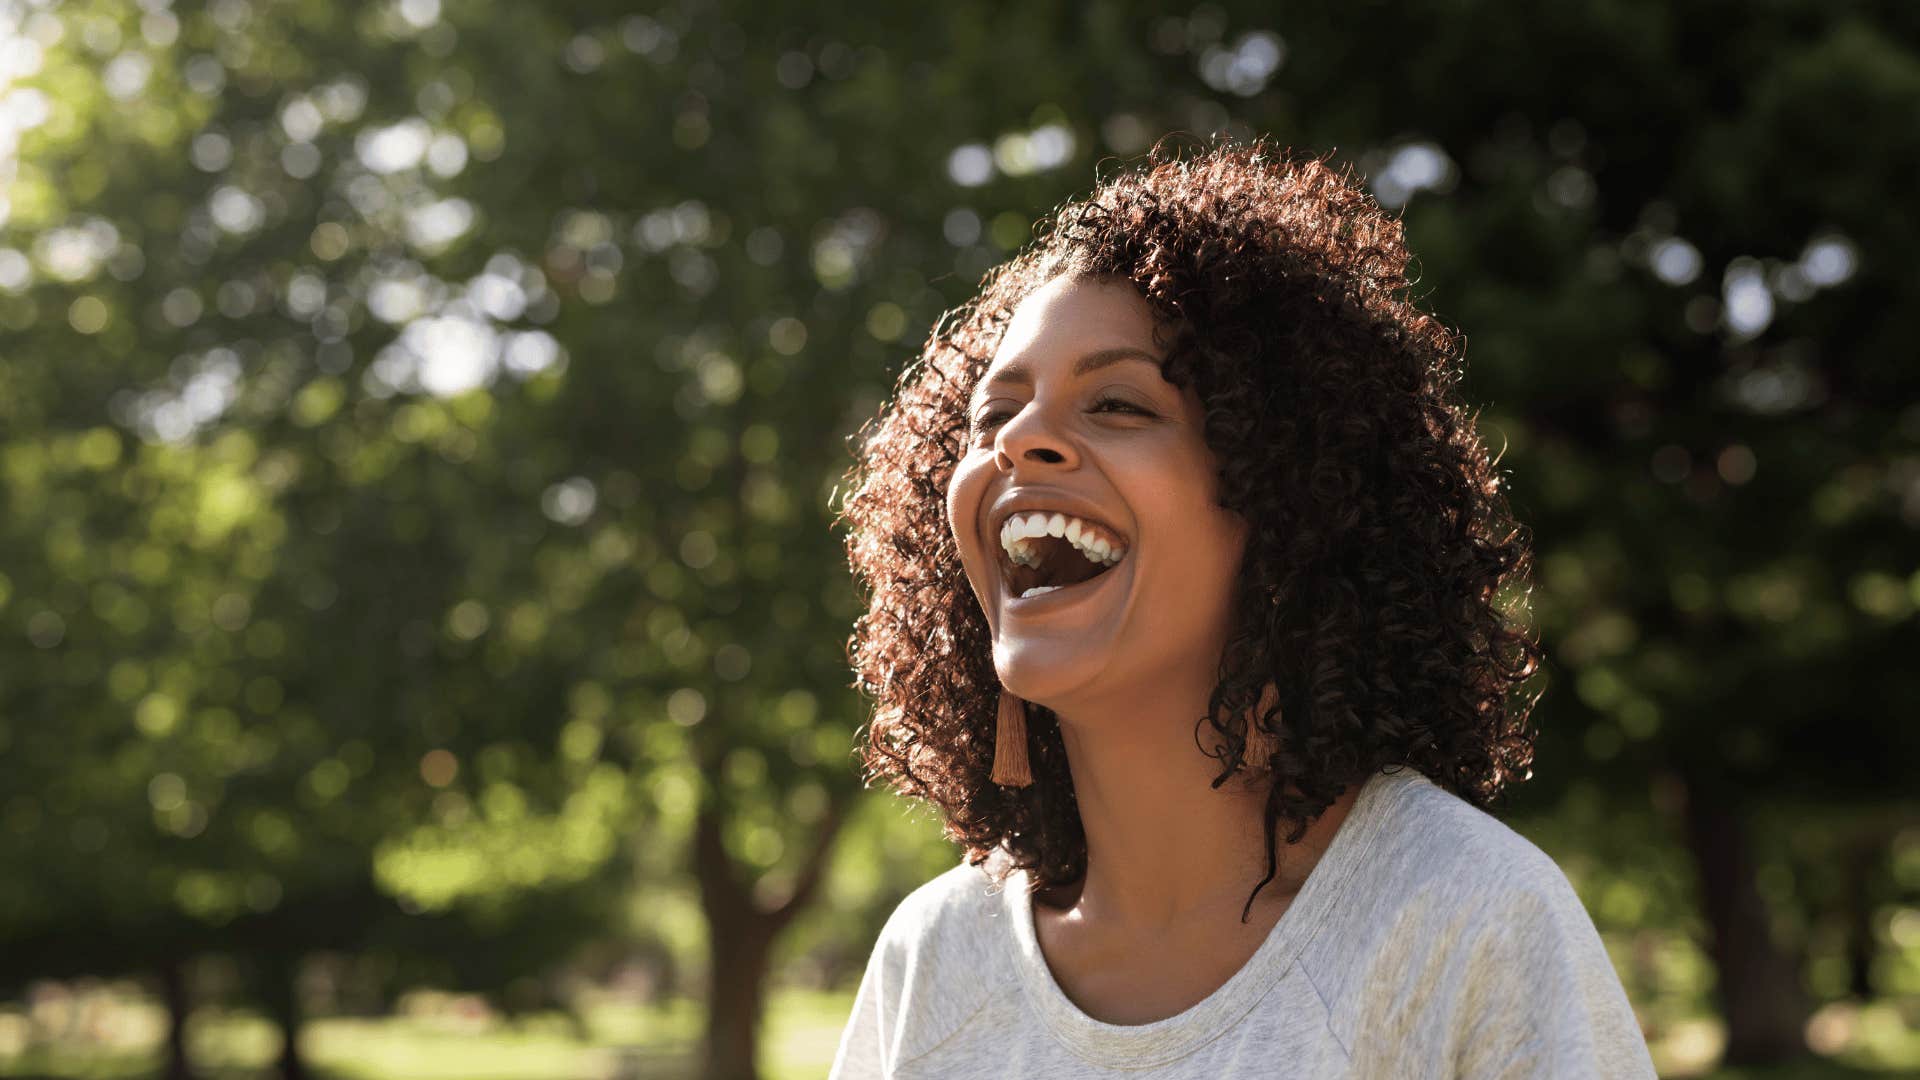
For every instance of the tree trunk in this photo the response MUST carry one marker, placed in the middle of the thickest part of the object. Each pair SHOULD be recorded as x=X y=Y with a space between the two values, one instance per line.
x=738 y=972
x=283 y=1003
x=742 y=934
x=173 y=989
x=1866 y=854
x=1761 y=997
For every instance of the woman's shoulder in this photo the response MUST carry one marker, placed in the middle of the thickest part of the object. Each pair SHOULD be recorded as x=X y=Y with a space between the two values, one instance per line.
x=1434 y=872
x=959 y=913
x=1433 y=838
x=945 y=952
x=1453 y=921
x=1439 y=879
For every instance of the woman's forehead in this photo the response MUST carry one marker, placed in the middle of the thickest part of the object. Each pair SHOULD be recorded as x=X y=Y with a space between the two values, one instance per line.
x=1069 y=319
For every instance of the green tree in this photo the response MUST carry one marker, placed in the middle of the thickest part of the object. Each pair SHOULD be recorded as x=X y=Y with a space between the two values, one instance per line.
x=419 y=425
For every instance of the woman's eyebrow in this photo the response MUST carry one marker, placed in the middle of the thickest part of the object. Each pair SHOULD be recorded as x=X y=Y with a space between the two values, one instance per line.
x=1018 y=374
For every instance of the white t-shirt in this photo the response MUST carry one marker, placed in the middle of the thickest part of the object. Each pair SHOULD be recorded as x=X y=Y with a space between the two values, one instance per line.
x=1430 y=940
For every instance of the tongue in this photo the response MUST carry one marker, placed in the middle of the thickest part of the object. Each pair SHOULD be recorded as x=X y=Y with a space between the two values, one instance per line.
x=1061 y=564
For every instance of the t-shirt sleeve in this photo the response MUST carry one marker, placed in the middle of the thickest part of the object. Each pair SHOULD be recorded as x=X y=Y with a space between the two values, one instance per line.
x=862 y=1044
x=1542 y=997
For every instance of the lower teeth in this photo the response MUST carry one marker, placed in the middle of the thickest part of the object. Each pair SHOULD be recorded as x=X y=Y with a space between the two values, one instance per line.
x=1037 y=590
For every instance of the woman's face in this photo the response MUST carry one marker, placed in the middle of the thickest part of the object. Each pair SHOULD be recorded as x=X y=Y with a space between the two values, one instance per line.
x=1073 y=418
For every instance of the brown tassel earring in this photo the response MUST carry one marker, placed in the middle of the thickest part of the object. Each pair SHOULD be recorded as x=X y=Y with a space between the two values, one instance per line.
x=1010 y=743
x=1261 y=743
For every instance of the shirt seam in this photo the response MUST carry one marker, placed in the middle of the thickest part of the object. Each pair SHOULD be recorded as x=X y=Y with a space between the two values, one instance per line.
x=985 y=1000
x=1366 y=843
x=1325 y=1007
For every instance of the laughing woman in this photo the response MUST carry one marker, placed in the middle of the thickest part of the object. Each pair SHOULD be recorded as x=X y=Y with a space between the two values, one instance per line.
x=1191 y=612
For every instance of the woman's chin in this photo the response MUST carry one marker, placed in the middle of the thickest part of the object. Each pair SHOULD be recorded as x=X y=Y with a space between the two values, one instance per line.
x=1049 y=673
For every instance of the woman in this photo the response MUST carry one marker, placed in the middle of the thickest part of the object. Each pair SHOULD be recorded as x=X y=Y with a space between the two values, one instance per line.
x=1189 y=579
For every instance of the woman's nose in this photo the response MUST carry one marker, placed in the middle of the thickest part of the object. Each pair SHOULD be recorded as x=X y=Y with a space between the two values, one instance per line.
x=1030 y=436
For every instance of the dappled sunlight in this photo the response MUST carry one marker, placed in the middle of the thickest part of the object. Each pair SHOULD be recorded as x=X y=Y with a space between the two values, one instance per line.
x=423 y=433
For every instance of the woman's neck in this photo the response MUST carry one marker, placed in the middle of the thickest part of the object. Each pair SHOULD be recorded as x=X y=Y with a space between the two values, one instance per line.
x=1163 y=845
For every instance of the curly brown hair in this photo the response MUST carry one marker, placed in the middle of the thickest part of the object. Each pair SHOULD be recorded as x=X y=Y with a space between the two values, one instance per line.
x=1383 y=569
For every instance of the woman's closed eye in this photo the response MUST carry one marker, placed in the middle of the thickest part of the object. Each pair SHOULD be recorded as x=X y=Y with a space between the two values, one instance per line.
x=990 y=420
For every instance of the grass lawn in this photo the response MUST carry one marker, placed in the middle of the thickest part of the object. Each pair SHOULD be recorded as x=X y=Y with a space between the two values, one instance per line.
x=114 y=1032
x=110 y=1034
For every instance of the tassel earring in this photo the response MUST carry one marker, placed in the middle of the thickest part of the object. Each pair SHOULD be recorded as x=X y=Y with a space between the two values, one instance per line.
x=1261 y=743
x=1010 y=743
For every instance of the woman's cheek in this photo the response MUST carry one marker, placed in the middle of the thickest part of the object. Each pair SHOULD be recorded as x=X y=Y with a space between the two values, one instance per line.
x=963 y=516
x=963 y=507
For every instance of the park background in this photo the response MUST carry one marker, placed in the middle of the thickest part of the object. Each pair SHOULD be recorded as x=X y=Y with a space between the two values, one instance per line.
x=422 y=614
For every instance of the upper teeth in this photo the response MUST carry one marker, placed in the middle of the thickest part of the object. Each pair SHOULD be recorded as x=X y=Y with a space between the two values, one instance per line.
x=1088 y=539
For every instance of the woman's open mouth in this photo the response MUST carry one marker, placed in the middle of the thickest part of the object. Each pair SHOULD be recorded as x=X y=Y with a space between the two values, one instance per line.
x=1051 y=558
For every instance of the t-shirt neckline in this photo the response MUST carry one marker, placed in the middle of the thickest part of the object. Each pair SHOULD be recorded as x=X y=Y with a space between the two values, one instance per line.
x=1165 y=1040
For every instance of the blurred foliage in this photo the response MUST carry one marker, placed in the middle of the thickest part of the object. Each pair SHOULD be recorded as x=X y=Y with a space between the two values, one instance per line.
x=420 y=423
